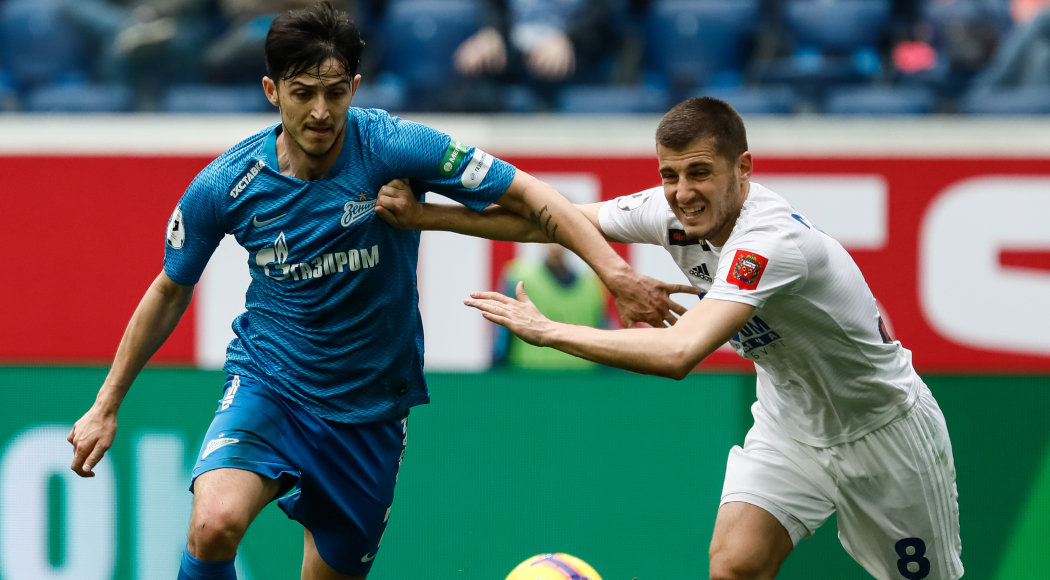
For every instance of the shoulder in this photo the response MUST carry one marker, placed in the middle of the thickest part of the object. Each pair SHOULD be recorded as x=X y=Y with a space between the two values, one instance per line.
x=241 y=162
x=373 y=125
x=648 y=204
x=767 y=215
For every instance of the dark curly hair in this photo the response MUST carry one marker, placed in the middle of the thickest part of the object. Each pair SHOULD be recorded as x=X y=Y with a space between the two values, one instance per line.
x=300 y=40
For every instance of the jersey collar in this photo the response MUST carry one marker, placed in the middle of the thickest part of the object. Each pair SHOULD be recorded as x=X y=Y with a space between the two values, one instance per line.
x=270 y=149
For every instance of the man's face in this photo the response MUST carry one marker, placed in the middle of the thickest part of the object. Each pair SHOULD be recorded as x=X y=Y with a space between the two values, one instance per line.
x=314 y=105
x=703 y=188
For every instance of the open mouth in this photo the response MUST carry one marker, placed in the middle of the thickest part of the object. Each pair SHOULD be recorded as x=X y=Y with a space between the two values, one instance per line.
x=693 y=211
x=319 y=131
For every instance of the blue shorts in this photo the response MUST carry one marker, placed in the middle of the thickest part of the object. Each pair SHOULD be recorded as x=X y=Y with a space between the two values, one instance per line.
x=344 y=472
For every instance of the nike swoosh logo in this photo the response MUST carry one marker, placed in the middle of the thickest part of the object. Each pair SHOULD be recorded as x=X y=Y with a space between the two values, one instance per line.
x=367 y=558
x=259 y=224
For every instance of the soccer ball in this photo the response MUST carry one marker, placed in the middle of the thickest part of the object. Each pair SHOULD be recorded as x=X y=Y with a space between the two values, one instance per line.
x=553 y=567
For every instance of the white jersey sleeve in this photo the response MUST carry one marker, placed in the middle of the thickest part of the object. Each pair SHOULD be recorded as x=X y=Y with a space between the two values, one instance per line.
x=756 y=264
x=639 y=218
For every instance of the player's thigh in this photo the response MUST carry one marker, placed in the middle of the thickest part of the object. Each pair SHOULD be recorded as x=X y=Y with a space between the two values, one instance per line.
x=899 y=508
x=777 y=474
x=231 y=496
x=748 y=542
x=314 y=567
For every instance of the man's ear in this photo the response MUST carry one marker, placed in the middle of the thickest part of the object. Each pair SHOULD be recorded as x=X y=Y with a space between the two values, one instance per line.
x=270 y=88
x=746 y=165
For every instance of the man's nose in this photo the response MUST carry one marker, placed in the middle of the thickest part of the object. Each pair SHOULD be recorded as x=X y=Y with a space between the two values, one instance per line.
x=684 y=193
x=320 y=108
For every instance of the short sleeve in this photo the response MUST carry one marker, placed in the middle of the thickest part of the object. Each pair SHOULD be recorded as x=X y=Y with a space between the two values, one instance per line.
x=194 y=231
x=756 y=265
x=433 y=161
x=639 y=218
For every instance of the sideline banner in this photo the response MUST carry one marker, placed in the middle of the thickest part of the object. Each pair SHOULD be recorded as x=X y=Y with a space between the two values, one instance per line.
x=957 y=251
x=622 y=470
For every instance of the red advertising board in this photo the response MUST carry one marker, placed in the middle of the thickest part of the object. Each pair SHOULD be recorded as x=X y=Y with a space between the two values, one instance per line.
x=962 y=271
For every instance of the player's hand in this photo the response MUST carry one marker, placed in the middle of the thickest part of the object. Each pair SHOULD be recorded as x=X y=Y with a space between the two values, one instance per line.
x=398 y=206
x=643 y=299
x=91 y=437
x=519 y=316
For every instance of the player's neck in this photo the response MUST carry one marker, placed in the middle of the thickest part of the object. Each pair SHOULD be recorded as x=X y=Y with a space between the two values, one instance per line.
x=723 y=236
x=294 y=162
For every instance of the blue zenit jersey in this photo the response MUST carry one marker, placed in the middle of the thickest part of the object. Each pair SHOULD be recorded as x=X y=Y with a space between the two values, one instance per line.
x=332 y=315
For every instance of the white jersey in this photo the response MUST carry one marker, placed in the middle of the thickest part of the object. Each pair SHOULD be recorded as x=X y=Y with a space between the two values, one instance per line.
x=827 y=373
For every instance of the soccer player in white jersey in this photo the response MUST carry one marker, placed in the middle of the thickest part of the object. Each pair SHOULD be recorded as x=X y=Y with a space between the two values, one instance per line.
x=842 y=422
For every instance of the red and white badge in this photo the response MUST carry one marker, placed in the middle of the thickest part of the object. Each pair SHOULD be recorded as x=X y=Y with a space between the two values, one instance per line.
x=747 y=270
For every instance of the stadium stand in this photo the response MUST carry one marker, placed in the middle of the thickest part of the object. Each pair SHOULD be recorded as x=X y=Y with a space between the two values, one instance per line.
x=612 y=99
x=844 y=57
x=193 y=98
x=693 y=43
x=873 y=101
x=37 y=46
x=81 y=99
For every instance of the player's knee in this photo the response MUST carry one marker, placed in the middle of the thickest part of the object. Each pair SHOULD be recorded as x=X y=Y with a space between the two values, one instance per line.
x=215 y=532
x=726 y=565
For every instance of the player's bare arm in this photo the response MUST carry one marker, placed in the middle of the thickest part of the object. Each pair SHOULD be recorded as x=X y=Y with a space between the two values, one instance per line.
x=667 y=352
x=517 y=218
x=154 y=320
x=400 y=208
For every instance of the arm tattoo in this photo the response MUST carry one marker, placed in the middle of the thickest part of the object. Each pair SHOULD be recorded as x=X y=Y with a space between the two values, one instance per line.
x=550 y=230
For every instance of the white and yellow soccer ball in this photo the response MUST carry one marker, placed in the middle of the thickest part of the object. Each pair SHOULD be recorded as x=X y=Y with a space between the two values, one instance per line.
x=554 y=567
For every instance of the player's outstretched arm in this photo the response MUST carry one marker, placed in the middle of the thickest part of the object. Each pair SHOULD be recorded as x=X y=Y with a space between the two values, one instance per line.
x=398 y=206
x=667 y=352
x=532 y=211
x=154 y=320
x=638 y=298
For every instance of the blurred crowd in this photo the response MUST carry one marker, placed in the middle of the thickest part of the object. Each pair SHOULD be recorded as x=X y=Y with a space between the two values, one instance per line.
x=865 y=57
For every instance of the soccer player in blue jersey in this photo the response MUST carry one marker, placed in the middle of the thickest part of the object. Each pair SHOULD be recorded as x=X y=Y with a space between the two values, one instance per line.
x=328 y=358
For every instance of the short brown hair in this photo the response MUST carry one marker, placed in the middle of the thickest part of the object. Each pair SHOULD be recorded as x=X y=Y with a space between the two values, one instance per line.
x=704 y=118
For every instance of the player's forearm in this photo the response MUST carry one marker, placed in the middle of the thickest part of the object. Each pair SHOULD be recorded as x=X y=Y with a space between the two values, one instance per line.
x=561 y=222
x=155 y=318
x=493 y=223
x=649 y=351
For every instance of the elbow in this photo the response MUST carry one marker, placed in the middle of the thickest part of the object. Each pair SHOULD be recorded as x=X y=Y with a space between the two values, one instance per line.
x=679 y=372
x=679 y=364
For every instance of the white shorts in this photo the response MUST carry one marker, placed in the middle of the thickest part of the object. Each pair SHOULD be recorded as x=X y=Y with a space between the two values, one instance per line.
x=894 y=490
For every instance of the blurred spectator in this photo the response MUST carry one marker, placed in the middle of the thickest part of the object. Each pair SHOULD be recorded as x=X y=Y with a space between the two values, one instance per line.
x=1024 y=59
x=140 y=41
x=562 y=295
x=542 y=42
x=966 y=31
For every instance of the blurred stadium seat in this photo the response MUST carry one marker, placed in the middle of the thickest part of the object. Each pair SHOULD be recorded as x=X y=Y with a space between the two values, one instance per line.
x=215 y=99
x=689 y=42
x=874 y=101
x=36 y=45
x=835 y=43
x=612 y=99
x=423 y=35
x=520 y=99
x=81 y=99
x=1021 y=101
x=768 y=100
x=838 y=25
